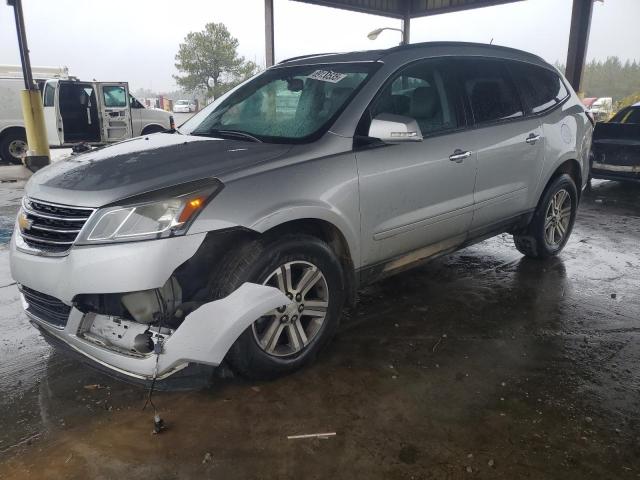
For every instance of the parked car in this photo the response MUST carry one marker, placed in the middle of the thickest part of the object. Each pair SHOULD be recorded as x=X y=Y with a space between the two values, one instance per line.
x=601 y=108
x=242 y=235
x=184 y=106
x=96 y=113
x=616 y=146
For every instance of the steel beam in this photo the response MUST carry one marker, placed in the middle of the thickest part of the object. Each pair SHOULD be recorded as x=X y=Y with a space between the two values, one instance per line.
x=268 y=33
x=406 y=23
x=578 y=41
x=38 y=154
x=22 y=44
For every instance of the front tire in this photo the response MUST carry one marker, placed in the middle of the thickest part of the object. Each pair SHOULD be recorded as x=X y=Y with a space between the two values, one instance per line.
x=13 y=146
x=284 y=340
x=552 y=223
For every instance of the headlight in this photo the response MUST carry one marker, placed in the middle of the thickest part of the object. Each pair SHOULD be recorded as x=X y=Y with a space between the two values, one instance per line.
x=158 y=214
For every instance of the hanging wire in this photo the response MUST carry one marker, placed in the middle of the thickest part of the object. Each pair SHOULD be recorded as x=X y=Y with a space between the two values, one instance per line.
x=157 y=348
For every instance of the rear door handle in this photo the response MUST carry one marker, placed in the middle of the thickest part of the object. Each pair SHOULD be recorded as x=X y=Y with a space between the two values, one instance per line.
x=459 y=155
x=532 y=139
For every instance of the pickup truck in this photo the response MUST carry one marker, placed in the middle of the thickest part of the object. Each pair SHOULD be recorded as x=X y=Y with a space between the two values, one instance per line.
x=96 y=113
x=616 y=146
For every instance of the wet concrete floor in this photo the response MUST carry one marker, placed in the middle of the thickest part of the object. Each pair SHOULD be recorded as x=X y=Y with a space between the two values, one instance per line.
x=481 y=364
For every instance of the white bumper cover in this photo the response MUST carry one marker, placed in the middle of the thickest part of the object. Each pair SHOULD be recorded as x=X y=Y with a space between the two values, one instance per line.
x=121 y=267
x=204 y=336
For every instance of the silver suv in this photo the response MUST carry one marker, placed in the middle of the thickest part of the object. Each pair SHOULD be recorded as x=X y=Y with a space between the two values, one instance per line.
x=241 y=235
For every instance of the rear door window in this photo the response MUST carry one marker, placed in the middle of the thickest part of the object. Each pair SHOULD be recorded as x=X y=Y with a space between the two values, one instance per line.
x=490 y=91
x=542 y=89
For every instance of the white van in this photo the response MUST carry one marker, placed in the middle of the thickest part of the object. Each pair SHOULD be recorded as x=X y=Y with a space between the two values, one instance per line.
x=75 y=112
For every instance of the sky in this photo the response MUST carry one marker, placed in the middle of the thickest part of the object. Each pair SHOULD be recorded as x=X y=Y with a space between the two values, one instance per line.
x=136 y=41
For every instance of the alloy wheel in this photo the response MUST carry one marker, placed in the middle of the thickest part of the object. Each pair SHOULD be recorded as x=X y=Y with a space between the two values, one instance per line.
x=289 y=329
x=557 y=218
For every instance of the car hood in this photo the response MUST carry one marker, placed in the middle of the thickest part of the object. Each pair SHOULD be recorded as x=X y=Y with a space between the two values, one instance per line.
x=144 y=164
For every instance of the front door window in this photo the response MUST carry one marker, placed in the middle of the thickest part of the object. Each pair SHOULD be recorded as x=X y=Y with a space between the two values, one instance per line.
x=419 y=92
x=114 y=96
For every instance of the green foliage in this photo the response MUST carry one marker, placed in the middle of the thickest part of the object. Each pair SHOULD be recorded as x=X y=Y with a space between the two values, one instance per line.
x=628 y=100
x=610 y=78
x=209 y=60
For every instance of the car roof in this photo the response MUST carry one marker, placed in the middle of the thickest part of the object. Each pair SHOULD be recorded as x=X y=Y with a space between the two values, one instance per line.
x=454 y=48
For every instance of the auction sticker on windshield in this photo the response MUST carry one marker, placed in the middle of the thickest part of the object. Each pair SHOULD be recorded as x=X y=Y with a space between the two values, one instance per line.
x=327 y=76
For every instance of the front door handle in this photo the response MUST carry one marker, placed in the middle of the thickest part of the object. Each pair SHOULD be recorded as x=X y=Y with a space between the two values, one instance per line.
x=459 y=155
x=532 y=139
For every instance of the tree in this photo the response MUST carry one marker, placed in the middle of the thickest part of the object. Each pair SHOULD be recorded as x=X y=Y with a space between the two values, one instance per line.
x=627 y=101
x=209 y=60
x=610 y=78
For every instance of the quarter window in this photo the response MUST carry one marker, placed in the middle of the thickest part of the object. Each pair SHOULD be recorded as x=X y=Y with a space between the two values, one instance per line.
x=542 y=89
x=490 y=91
x=419 y=91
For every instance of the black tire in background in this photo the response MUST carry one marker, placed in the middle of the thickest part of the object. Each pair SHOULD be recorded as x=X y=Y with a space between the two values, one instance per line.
x=534 y=242
x=151 y=129
x=7 y=145
x=255 y=262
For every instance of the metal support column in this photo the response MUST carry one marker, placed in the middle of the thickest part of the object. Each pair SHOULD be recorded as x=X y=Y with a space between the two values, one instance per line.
x=268 y=33
x=578 y=41
x=32 y=111
x=406 y=23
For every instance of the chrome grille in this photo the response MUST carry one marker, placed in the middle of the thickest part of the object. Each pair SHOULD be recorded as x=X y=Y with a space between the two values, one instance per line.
x=50 y=227
x=45 y=307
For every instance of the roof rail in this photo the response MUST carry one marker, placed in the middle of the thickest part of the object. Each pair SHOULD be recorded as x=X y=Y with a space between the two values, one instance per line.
x=460 y=44
x=300 y=57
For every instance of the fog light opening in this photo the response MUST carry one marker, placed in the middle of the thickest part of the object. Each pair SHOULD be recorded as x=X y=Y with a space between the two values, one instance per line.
x=142 y=343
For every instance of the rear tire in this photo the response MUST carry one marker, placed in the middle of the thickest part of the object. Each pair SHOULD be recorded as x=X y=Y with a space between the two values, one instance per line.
x=273 y=346
x=13 y=144
x=552 y=222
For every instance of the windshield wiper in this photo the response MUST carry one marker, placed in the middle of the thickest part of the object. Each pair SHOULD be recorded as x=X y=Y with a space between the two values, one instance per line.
x=232 y=134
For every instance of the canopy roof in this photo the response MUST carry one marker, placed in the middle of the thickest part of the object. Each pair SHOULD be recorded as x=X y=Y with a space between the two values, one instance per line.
x=406 y=8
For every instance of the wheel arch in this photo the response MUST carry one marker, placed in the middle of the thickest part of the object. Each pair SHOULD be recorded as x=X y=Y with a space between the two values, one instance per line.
x=205 y=261
x=12 y=128
x=151 y=128
x=330 y=234
x=571 y=167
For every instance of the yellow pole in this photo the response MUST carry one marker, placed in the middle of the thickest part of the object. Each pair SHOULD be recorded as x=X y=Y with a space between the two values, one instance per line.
x=33 y=113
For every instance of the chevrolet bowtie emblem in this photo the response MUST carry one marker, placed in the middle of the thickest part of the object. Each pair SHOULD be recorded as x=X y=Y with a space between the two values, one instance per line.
x=23 y=222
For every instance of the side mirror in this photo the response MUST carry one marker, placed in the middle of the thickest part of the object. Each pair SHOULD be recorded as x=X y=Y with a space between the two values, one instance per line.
x=392 y=128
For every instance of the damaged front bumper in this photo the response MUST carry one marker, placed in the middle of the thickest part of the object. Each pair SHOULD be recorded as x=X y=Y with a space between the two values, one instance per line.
x=50 y=287
x=204 y=337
